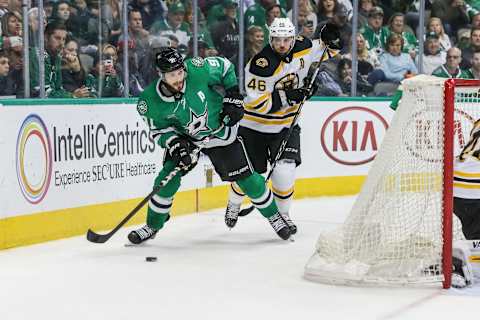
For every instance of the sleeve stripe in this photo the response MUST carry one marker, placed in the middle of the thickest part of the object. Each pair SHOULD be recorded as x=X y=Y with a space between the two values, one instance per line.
x=226 y=66
x=302 y=53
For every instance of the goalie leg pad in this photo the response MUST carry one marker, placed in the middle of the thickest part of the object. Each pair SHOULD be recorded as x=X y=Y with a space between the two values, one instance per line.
x=462 y=269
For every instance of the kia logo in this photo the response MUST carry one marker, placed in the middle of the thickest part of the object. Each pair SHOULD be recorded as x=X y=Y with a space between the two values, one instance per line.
x=350 y=136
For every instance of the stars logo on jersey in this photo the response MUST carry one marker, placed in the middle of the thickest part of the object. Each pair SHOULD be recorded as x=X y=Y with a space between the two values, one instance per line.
x=262 y=62
x=142 y=107
x=198 y=123
x=197 y=61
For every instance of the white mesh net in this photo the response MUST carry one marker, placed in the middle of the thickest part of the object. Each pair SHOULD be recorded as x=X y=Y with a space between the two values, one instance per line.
x=393 y=235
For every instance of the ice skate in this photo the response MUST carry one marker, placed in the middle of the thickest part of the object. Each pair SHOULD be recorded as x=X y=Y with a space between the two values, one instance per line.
x=141 y=235
x=231 y=214
x=278 y=224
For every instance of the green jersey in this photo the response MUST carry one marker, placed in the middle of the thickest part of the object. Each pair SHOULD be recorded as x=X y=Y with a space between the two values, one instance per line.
x=195 y=112
x=443 y=72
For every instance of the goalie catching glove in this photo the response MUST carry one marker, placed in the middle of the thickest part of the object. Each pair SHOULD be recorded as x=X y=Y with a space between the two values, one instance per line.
x=232 y=111
x=180 y=149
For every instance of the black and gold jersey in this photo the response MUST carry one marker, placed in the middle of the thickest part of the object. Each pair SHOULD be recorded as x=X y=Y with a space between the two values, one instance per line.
x=266 y=72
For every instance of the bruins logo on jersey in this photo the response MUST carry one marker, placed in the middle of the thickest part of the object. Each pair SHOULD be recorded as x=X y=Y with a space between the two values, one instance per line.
x=142 y=107
x=262 y=62
x=290 y=81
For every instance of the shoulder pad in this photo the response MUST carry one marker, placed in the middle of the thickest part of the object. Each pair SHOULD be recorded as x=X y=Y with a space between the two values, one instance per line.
x=301 y=43
x=264 y=63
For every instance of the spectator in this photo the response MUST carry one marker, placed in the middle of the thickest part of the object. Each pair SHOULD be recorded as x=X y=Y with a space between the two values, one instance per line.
x=97 y=24
x=374 y=33
x=203 y=31
x=33 y=26
x=256 y=14
x=475 y=20
x=473 y=46
x=112 y=13
x=306 y=27
x=368 y=62
x=79 y=21
x=475 y=68
x=136 y=80
x=254 y=44
x=203 y=48
x=7 y=83
x=435 y=25
x=453 y=14
x=308 y=13
x=395 y=64
x=13 y=46
x=61 y=11
x=55 y=35
x=103 y=80
x=271 y=13
x=225 y=34
x=364 y=8
x=173 y=24
x=11 y=31
x=3 y=8
x=150 y=10
x=139 y=43
x=433 y=56
x=340 y=83
x=73 y=75
x=326 y=10
x=396 y=24
x=451 y=69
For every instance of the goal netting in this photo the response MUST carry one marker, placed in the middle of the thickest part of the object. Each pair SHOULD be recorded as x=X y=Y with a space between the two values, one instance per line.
x=400 y=229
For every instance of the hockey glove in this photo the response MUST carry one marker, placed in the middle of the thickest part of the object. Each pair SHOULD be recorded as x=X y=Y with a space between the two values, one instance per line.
x=180 y=149
x=295 y=96
x=232 y=111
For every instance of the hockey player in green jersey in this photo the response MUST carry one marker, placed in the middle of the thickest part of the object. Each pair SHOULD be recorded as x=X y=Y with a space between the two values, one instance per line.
x=182 y=110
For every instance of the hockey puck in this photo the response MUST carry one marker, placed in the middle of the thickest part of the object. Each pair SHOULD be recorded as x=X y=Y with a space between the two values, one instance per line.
x=151 y=259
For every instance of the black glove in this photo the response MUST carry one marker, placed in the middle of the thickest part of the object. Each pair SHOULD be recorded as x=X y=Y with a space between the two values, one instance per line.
x=180 y=149
x=330 y=35
x=232 y=111
x=295 y=96
x=313 y=90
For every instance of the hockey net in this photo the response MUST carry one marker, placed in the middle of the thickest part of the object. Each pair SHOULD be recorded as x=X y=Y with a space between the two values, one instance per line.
x=400 y=229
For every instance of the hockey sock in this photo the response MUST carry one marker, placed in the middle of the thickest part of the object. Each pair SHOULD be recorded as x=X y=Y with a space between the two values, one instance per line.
x=261 y=197
x=283 y=182
x=160 y=204
x=235 y=194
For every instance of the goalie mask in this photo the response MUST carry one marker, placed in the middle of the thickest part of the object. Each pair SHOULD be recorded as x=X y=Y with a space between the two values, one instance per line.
x=282 y=36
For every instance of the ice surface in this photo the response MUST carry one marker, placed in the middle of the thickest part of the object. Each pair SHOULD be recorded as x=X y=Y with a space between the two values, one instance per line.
x=205 y=271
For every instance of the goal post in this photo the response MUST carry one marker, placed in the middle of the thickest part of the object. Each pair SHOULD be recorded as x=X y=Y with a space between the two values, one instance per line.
x=401 y=228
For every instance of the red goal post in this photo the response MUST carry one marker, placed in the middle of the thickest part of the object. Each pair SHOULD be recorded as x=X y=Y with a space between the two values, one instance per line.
x=401 y=228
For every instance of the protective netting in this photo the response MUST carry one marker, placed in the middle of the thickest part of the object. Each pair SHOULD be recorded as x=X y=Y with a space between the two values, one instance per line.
x=393 y=234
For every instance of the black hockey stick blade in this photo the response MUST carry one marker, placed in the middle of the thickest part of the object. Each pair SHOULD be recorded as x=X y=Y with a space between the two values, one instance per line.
x=246 y=211
x=98 y=238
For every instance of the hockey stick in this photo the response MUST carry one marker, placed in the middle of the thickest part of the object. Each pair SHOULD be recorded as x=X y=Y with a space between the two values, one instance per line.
x=101 y=238
x=283 y=145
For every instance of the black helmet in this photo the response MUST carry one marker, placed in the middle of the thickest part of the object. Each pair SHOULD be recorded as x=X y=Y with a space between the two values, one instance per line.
x=168 y=59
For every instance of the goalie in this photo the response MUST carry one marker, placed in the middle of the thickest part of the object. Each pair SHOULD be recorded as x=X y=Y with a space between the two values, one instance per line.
x=277 y=84
x=466 y=206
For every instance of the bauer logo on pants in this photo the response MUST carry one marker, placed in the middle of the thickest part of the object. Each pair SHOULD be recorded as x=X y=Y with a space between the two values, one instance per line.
x=33 y=159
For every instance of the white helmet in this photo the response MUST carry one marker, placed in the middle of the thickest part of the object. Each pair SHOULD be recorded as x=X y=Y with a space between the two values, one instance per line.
x=281 y=27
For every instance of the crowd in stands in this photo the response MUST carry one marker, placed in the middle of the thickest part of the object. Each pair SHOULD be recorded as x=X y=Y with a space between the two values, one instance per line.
x=84 y=43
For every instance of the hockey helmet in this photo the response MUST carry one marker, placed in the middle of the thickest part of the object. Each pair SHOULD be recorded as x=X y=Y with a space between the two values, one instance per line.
x=168 y=59
x=281 y=27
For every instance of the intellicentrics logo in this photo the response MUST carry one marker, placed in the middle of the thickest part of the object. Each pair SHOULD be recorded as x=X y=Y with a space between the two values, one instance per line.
x=33 y=159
